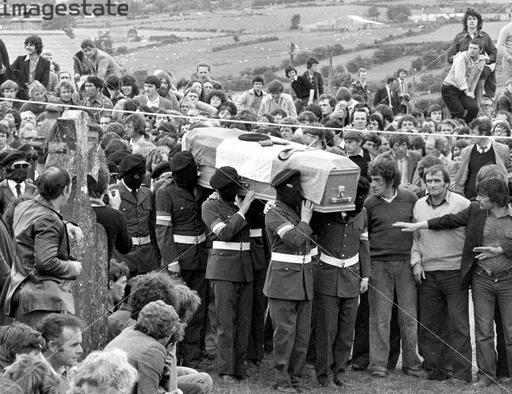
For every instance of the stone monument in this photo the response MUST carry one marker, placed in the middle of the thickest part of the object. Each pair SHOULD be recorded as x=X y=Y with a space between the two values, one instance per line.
x=71 y=146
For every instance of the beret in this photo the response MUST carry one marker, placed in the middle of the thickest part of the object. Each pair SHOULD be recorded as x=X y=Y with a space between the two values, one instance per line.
x=253 y=137
x=132 y=163
x=223 y=177
x=283 y=176
x=353 y=135
x=12 y=157
x=181 y=160
x=117 y=157
x=113 y=168
x=161 y=169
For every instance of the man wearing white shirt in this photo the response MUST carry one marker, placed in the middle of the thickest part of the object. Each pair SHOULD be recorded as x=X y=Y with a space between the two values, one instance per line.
x=481 y=152
x=459 y=86
x=15 y=185
x=152 y=98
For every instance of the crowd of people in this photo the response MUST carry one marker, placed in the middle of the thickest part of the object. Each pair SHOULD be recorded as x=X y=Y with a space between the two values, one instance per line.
x=199 y=273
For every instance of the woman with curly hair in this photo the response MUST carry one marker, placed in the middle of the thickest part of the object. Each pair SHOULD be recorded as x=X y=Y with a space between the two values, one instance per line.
x=216 y=98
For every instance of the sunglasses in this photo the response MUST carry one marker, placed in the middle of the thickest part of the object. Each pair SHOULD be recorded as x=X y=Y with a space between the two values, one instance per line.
x=21 y=166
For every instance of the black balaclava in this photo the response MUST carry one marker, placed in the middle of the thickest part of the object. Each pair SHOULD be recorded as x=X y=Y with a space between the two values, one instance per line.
x=229 y=192
x=363 y=188
x=187 y=177
x=289 y=193
x=18 y=175
x=134 y=178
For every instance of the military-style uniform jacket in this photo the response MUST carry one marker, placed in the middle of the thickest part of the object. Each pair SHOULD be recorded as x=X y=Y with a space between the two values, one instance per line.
x=138 y=212
x=140 y=217
x=259 y=246
x=344 y=239
x=229 y=229
x=288 y=236
x=180 y=232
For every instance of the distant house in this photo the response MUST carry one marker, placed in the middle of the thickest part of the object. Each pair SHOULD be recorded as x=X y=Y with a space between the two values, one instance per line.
x=348 y=22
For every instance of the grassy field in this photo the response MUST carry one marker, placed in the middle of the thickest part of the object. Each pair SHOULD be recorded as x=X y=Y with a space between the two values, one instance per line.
x=261 y=381
x=181 y=58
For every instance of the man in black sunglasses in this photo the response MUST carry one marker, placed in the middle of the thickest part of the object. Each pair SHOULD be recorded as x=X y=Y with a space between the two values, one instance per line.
x=16 y=184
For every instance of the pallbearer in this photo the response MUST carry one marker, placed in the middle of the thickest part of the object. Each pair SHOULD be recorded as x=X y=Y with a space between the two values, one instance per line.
x=289 y=281
x=230 y=270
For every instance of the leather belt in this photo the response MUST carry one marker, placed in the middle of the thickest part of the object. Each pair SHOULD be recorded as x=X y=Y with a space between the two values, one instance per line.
x=240 y=246
x=340 y=263
x=189 y=239
x=291 y=258
x=256 y=232
x=141 y=240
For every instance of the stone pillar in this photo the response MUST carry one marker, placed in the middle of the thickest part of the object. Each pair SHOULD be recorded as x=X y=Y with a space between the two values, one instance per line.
x=73 y=148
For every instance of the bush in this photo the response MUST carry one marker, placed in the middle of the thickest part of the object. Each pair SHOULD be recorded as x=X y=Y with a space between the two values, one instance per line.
x=357 y=63
x=122 y=50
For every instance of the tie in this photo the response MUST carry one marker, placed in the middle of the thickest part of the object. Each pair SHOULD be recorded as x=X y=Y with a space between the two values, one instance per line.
x=18 y=189
x=134 y=192
x=483 y=150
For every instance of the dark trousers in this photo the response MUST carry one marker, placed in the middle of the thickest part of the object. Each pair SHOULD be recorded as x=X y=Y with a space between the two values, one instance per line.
x=292 y=323
x=361 y=350
x=259 y=305
x=459 y=105
x=501 y=351
x=233 y=302
x=189 y=349
x=444 y=317
x=488 y=290
x=141 y=259
x=489 y=78
x=335 y=319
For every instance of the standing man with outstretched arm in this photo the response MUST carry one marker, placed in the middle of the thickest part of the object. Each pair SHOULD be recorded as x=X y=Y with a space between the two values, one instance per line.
x=486 y=265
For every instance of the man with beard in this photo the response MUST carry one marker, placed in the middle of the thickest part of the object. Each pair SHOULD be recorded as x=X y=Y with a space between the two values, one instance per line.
x=343 y=273
x=231 y=271
x=137 y=207
x=289 y=281
x=15 y=185
x=180 y=234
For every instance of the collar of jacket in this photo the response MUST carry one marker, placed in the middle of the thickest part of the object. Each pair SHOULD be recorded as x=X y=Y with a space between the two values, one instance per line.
x=45 y=203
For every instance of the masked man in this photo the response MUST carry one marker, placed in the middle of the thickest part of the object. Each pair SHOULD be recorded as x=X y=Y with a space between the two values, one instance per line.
x=16 y=184
x=181 y=239
x=343 y=273
x=289 y=281
x=137 y=207
x=231 y=271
